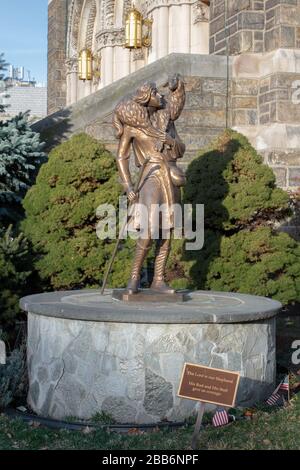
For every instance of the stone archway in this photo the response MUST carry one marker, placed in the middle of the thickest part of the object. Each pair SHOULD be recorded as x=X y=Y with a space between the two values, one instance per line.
x=87 y=24
x=73 y=28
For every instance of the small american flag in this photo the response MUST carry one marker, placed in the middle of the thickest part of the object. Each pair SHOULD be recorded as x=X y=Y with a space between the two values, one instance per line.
x=274 y=399
x=220 y=418
x=285 y=386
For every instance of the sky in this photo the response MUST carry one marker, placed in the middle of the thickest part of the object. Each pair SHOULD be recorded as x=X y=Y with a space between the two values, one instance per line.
x=23 y=35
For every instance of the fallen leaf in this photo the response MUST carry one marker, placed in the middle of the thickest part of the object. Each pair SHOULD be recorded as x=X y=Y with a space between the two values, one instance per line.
x=87 y=430
x=34 y=424
x=135 y=431
x=22 y=409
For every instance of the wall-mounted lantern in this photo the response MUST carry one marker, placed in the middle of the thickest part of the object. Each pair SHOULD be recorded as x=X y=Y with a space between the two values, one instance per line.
x=85 y=65
x=134 y=23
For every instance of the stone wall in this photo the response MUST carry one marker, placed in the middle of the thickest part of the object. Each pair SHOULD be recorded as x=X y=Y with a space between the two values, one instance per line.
x=282 y=24
x=88 y=353
x=57 y=24
x=242 y=22
x=254 y=25
x=265 y=91
x=132 y=371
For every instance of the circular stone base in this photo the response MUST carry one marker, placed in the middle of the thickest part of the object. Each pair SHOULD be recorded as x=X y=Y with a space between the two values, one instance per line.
x=89 y=354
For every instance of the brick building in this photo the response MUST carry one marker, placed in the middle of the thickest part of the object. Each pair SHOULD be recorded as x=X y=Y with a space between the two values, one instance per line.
x=240 y=59
x=26 y=98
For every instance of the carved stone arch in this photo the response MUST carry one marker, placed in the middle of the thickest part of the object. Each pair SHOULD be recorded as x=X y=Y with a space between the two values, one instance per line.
x=87 y=24
x=91 y=25
x=75 y=10
x=109 y=14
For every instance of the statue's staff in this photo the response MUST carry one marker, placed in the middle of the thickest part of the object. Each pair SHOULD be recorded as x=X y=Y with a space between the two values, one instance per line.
x=126 y=221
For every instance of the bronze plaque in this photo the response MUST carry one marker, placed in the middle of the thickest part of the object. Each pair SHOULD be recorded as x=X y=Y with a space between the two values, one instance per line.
x=209 y=385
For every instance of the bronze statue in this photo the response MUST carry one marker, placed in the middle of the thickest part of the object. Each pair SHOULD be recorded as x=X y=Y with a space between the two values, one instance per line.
x=145 y=124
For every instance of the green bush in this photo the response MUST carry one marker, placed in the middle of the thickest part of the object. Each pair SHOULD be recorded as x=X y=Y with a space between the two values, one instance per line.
x=15 y=269
x=237 y=189
x=61 y=216
x=13 y=377
x=242 y=252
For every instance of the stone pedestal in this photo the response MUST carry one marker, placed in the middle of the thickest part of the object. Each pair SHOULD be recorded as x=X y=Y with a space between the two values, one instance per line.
x=89 y=354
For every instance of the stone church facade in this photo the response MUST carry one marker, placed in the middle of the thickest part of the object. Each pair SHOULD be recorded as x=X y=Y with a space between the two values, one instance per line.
x=240 y=60
x=99 y=25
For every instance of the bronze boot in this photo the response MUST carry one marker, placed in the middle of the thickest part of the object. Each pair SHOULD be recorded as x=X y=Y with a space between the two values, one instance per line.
x=133 y=285
x=141 y=251
x=162 y=253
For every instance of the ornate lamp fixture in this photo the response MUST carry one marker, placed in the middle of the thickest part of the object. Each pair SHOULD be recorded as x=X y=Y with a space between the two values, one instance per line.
x=134 y=23
x=85 y=65
x=89 y=66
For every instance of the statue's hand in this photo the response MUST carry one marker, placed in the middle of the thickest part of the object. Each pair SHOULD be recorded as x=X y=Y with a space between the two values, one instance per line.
x=131 y=194
x=169 y=140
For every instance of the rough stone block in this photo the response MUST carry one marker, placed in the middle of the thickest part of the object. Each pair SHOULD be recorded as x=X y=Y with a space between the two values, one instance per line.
x=251 y=20
x=290 y=15
x=245 y=87
x=264 y=119
x=294 y=177
x=244 y=102
x=235 y=44
x=259 y=35
x=258 y=46
x=288 y=112
x=209 y=117
x=284 y=80
x=218 y=9
x=217 y=25
x=220 y=36
x=259 y=5
x=247 y=41
x=281 y=176
x=267 y=97
x=265 y=108
x=212 y=85
x=197 y=100
x=243 y=117
x=283 y=95
x=272 y=39
x=193 y=84
x=235 y=6
x=288 y=36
